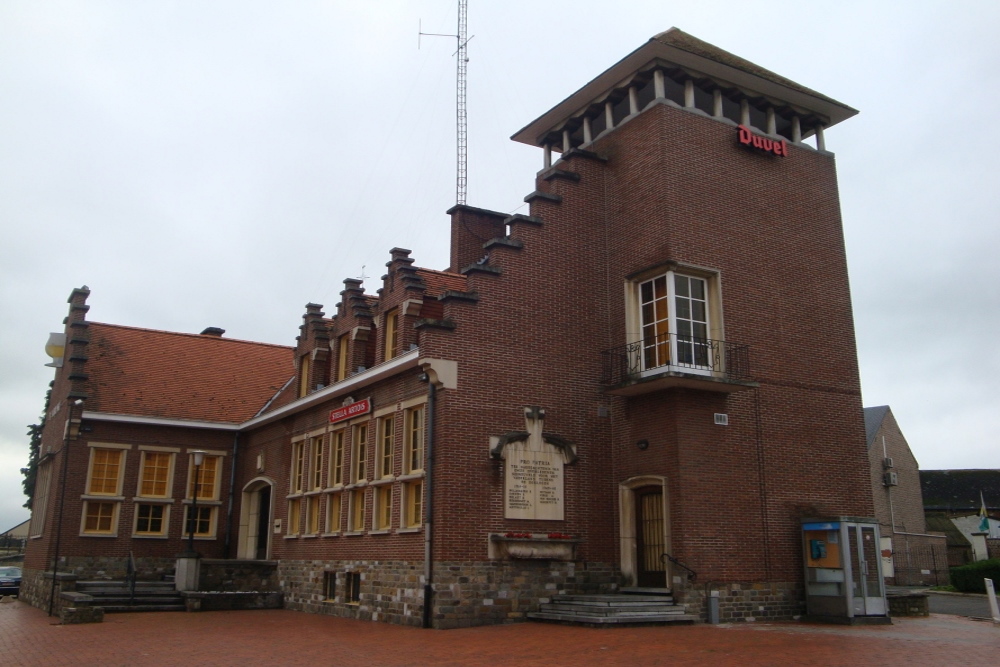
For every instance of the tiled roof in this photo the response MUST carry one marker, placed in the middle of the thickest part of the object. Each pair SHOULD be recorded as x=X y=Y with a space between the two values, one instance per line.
x=441 y=281
x=873 y=420
x=958 y=490
x=172 y=375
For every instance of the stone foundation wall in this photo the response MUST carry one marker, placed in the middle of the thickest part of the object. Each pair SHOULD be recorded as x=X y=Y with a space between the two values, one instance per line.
x=239 y=575
x=88 y=568
x=36 y=588
x=465 y=594
x=746 y=602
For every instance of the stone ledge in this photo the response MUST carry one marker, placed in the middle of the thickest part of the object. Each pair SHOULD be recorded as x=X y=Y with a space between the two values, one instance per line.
x=520 y=218
x=543 y=196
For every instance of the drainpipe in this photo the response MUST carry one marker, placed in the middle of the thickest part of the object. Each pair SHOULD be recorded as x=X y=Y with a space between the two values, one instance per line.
x=62 y=499
x=429 y=501
x=232 y=487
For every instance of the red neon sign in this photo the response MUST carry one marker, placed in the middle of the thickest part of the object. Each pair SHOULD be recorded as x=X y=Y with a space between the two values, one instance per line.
x=355 y=409
x=748 y=138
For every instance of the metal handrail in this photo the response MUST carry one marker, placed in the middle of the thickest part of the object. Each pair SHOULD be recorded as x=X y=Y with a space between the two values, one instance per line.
x=691 y=574
x=675 y=352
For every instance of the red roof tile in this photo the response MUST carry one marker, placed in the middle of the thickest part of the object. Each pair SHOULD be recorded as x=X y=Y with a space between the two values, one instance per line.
x=172 y=375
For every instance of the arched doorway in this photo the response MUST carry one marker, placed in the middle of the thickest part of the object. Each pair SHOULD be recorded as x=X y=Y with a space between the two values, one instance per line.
x=255 y=520
x=645 y=531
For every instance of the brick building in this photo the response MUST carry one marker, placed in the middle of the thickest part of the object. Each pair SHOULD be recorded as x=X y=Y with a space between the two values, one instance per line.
x=650 y=374
x=911 y=556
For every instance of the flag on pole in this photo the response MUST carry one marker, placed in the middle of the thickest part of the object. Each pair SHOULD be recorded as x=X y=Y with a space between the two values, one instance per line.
x=984 y=519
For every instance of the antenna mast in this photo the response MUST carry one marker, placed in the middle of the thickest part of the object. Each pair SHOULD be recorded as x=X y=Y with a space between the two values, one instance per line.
x=461 y=116
x=462 y=144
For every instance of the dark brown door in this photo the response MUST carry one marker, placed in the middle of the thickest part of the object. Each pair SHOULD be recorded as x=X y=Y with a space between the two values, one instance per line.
x=263 y=522
x=649 y=530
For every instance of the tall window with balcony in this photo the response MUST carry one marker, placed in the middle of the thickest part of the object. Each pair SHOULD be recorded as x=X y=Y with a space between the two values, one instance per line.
x=674 y=321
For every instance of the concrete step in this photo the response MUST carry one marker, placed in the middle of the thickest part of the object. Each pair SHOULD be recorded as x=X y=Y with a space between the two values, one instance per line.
x=605 y=611
x=124 y=608
x=613 y=600
x=577 y=619
x=641 y=590
x=105 y=600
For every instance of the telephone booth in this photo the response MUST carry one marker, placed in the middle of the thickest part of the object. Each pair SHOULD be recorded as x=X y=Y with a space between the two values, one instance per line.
x=843 y=571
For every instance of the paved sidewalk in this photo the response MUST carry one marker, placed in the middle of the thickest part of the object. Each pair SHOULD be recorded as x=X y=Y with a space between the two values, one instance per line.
x=279 y=637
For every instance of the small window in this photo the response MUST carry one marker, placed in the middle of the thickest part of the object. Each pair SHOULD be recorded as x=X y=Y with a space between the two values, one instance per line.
x=356 y=516
x=336 y=476
x=333 y=511
x=294 y=516
x=342 y=365
x=316 y=472
x=297 y=481
x=303 y=375
x=391 y=333
x=360 y=462
x=154 y=481
x=208 y=477
x=352 y=582
x=204 y=521
x=386 y=437
x=383 y=507
x=105 y=472
x=151 y=519
x=100 y=518
x=329 y=586
x=413 y=499
x=413 y=424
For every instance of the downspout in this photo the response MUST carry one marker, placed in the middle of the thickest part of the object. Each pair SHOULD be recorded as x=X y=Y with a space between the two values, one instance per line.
x=429 y=502
x=62 y=500
x=232 y=490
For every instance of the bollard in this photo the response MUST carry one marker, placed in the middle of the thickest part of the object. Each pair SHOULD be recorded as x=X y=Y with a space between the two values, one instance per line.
x=713 y=607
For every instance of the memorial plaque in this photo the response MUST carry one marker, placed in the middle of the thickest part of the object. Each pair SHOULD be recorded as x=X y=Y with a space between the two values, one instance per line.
x=534 y=476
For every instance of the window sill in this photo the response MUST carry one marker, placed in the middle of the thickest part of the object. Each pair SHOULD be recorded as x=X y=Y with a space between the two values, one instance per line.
x=380 y=531
x=356 y=485
x=334 y=489
x=383 y=481
x=334 y=534
x=411 y=529
x=293 y=496
x=353 y=533
x=148 y=537
x=314 y=492
x=411 y=476
x=203 y=502
x=149 y=501
x=115 y=534
x=293 y=536
x=107 y=499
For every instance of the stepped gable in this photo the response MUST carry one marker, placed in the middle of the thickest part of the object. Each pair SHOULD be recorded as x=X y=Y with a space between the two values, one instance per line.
x=151 y=373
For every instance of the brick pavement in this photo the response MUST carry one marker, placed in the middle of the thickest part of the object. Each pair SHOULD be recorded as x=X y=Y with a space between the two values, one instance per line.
x=279 y=637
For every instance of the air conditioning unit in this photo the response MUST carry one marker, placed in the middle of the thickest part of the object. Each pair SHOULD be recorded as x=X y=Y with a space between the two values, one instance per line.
x=721 y=419
x=887 y=463
x=890 y=479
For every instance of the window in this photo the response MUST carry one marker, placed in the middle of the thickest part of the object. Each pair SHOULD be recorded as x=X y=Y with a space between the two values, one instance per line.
x=391 y=333
x=100 y=518
x=204 y=521
x=382 y=516
x=105 y=472
x=674 y=320
x=294 y=516
x=208 y=478
x=356 y=514
x=151 y=519
x=298 y=467
x=386 y=437
x=413 y=503
x=352 y=581
x=312 y=515
x=342 y=357
x=333 y=510
x=413 y=435
x=336 y=459
x=329 y=586
x=316 y=471
x=360 y=442
x=154 y=479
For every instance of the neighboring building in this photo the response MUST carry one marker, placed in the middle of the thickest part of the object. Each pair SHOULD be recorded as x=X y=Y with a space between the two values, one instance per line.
x=910 y=555
x=958 y=496
x=14 y=539
x=658 y=360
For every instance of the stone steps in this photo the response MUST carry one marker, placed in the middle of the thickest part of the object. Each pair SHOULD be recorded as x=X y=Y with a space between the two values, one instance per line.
x=628 y=608
x=115 y=596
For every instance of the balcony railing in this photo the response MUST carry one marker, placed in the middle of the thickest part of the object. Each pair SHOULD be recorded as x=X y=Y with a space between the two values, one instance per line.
x=675 y=353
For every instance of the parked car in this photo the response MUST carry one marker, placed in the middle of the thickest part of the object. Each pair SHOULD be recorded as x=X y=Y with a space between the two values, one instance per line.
x=10 y=580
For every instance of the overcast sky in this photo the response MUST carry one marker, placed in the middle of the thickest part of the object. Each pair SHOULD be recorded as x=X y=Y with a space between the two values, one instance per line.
x=224 y=163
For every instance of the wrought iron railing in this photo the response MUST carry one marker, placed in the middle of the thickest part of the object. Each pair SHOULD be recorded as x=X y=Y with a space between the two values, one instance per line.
x=691 y=574
x=675 y=352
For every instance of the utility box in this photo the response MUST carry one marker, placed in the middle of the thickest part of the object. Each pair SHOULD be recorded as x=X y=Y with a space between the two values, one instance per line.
x=843 y=571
